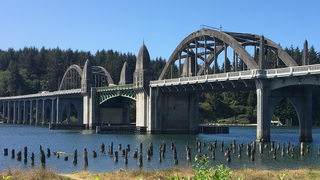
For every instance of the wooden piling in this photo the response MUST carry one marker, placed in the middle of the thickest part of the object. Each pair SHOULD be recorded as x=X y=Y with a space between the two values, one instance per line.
x=66 y=158
x=248 y=150
x=32 y=159
x=126 y=157
x=75 y=157
x=252 y=154
x=261 y=149
x=19 y=156
x=140 y=148
x=302 y=149
x=278 y=146
x=5 y=151
x=42 y=157
x=151 y=148
x=308 y=148
x=272 y=146
x=25 y=154
x=140 y=160
x=123 y=152
x=172 y=145
x=228 y=156
x=148 y=154
x=213 y=154
x=128 y=147
x=222 y=143
x=288 y=148
x=102 y=146
x=85 y=153
x=48 y=152
x=274 y=153
x=111 y=148
x=94 y=154
x=116 y=156
x=12 y=154
x=119 y=146
x=135 y=154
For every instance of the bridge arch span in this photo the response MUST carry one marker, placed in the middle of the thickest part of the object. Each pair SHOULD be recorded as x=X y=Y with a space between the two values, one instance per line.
x=222 y=40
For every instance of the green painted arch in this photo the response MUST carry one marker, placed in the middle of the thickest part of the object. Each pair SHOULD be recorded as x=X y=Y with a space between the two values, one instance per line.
x=107 y=95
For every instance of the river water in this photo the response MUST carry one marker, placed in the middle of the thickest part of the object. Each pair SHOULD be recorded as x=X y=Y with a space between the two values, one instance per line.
x=13 y=136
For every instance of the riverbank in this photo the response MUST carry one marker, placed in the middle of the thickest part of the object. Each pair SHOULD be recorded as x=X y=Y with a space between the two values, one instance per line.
x=162 y=174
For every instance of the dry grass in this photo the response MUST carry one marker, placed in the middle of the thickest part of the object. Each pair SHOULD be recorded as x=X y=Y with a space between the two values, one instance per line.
x=145 y=175
x=41 y=174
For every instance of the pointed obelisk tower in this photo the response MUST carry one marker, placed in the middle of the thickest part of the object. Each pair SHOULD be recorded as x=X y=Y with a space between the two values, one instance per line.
x=141 y=80
x=125 y=76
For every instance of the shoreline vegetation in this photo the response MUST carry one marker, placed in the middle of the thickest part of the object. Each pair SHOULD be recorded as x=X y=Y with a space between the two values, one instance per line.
x=13 y=174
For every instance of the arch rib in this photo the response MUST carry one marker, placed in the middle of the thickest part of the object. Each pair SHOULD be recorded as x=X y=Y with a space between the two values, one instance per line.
x=229 y=40
x=75 y=67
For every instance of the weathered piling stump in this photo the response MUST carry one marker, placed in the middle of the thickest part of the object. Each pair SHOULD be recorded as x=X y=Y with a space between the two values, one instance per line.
x=116 y=156
x=140 y=161
x=94 y=154
x=85 y=154
x=239 y=152
x=272 y=146
x=123 y=152
x=308 y=148
x=5 y=151
x=111 y=148
x=126 y=157
x=128 y=147
x=230 y=147
x=288 y=149
x=175 y=161
x=42 y=158
x=215 y=144
x=102 y=146
x=19 y=156
x=302 y=149
x=204 y=144
x=199 y=149
x=226 y=152
x=119 y=146
x=252 y=154
x=135 y=154
x=25 y=154
x=282 y=151
x=292 y=154
x=12 y=154
x=151 y=148
x=266 y=146
x=140 y=148
x=234 y=143
x=148 y=154
x=197 y=143
x=66 y=158
x=319 y=151
x=32 y=159
x=274 y=153
x=188 y=153
x=172 y=145
x=222 y=143
x=160 y=160
x=58 y=155
x=278 y=146
x=213 y=154
x=261 y=149
x=75 y=157
x=248 y=150
x=228 y=156
x=48 y=152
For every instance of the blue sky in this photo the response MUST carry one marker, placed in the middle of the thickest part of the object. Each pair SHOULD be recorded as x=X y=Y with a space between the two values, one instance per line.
x=124 y=25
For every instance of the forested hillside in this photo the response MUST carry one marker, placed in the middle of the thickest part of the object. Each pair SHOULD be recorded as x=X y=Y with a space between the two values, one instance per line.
x=30 y=70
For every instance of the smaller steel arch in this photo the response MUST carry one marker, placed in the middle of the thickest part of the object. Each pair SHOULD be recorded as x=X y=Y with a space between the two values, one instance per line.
x=107 y=95
x=72 y=67
x=109 y=79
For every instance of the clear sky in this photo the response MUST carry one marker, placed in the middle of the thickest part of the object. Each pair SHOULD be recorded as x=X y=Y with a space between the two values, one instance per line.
x=124 y=25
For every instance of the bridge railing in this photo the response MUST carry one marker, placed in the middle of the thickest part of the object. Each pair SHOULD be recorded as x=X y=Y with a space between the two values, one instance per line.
x=250 y=74
x=43 y=94
x=115 y=88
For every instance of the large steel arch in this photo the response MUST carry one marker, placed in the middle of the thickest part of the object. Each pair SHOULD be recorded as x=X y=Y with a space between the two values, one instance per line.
x=65 y=76
x=237 y=41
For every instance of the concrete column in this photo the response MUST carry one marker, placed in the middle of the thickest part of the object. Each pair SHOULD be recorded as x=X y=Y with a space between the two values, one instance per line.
x=196 y=58
x=59 y=111
x=305 y=53
x=14 y=112
x=141 y=108
x=236 y=63
x=187 y=60
x=53 y=111
x=93 y=109
x=31 y=112
x=179 y=75
x=37 y=112
x=225 y=57
x=68 y=113
x=262 y=62
x=215 y=56
x=263 y=119
x=25 y=112
x=19 y=112
x=9 y=114
x=3 y=113
x=44 y=113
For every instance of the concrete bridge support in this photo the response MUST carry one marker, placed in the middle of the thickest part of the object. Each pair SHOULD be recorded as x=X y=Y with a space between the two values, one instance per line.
x=268 y=100
x=173 y=112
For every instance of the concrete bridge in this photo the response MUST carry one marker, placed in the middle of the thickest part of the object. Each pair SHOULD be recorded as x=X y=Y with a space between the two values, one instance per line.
x=170 y=104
